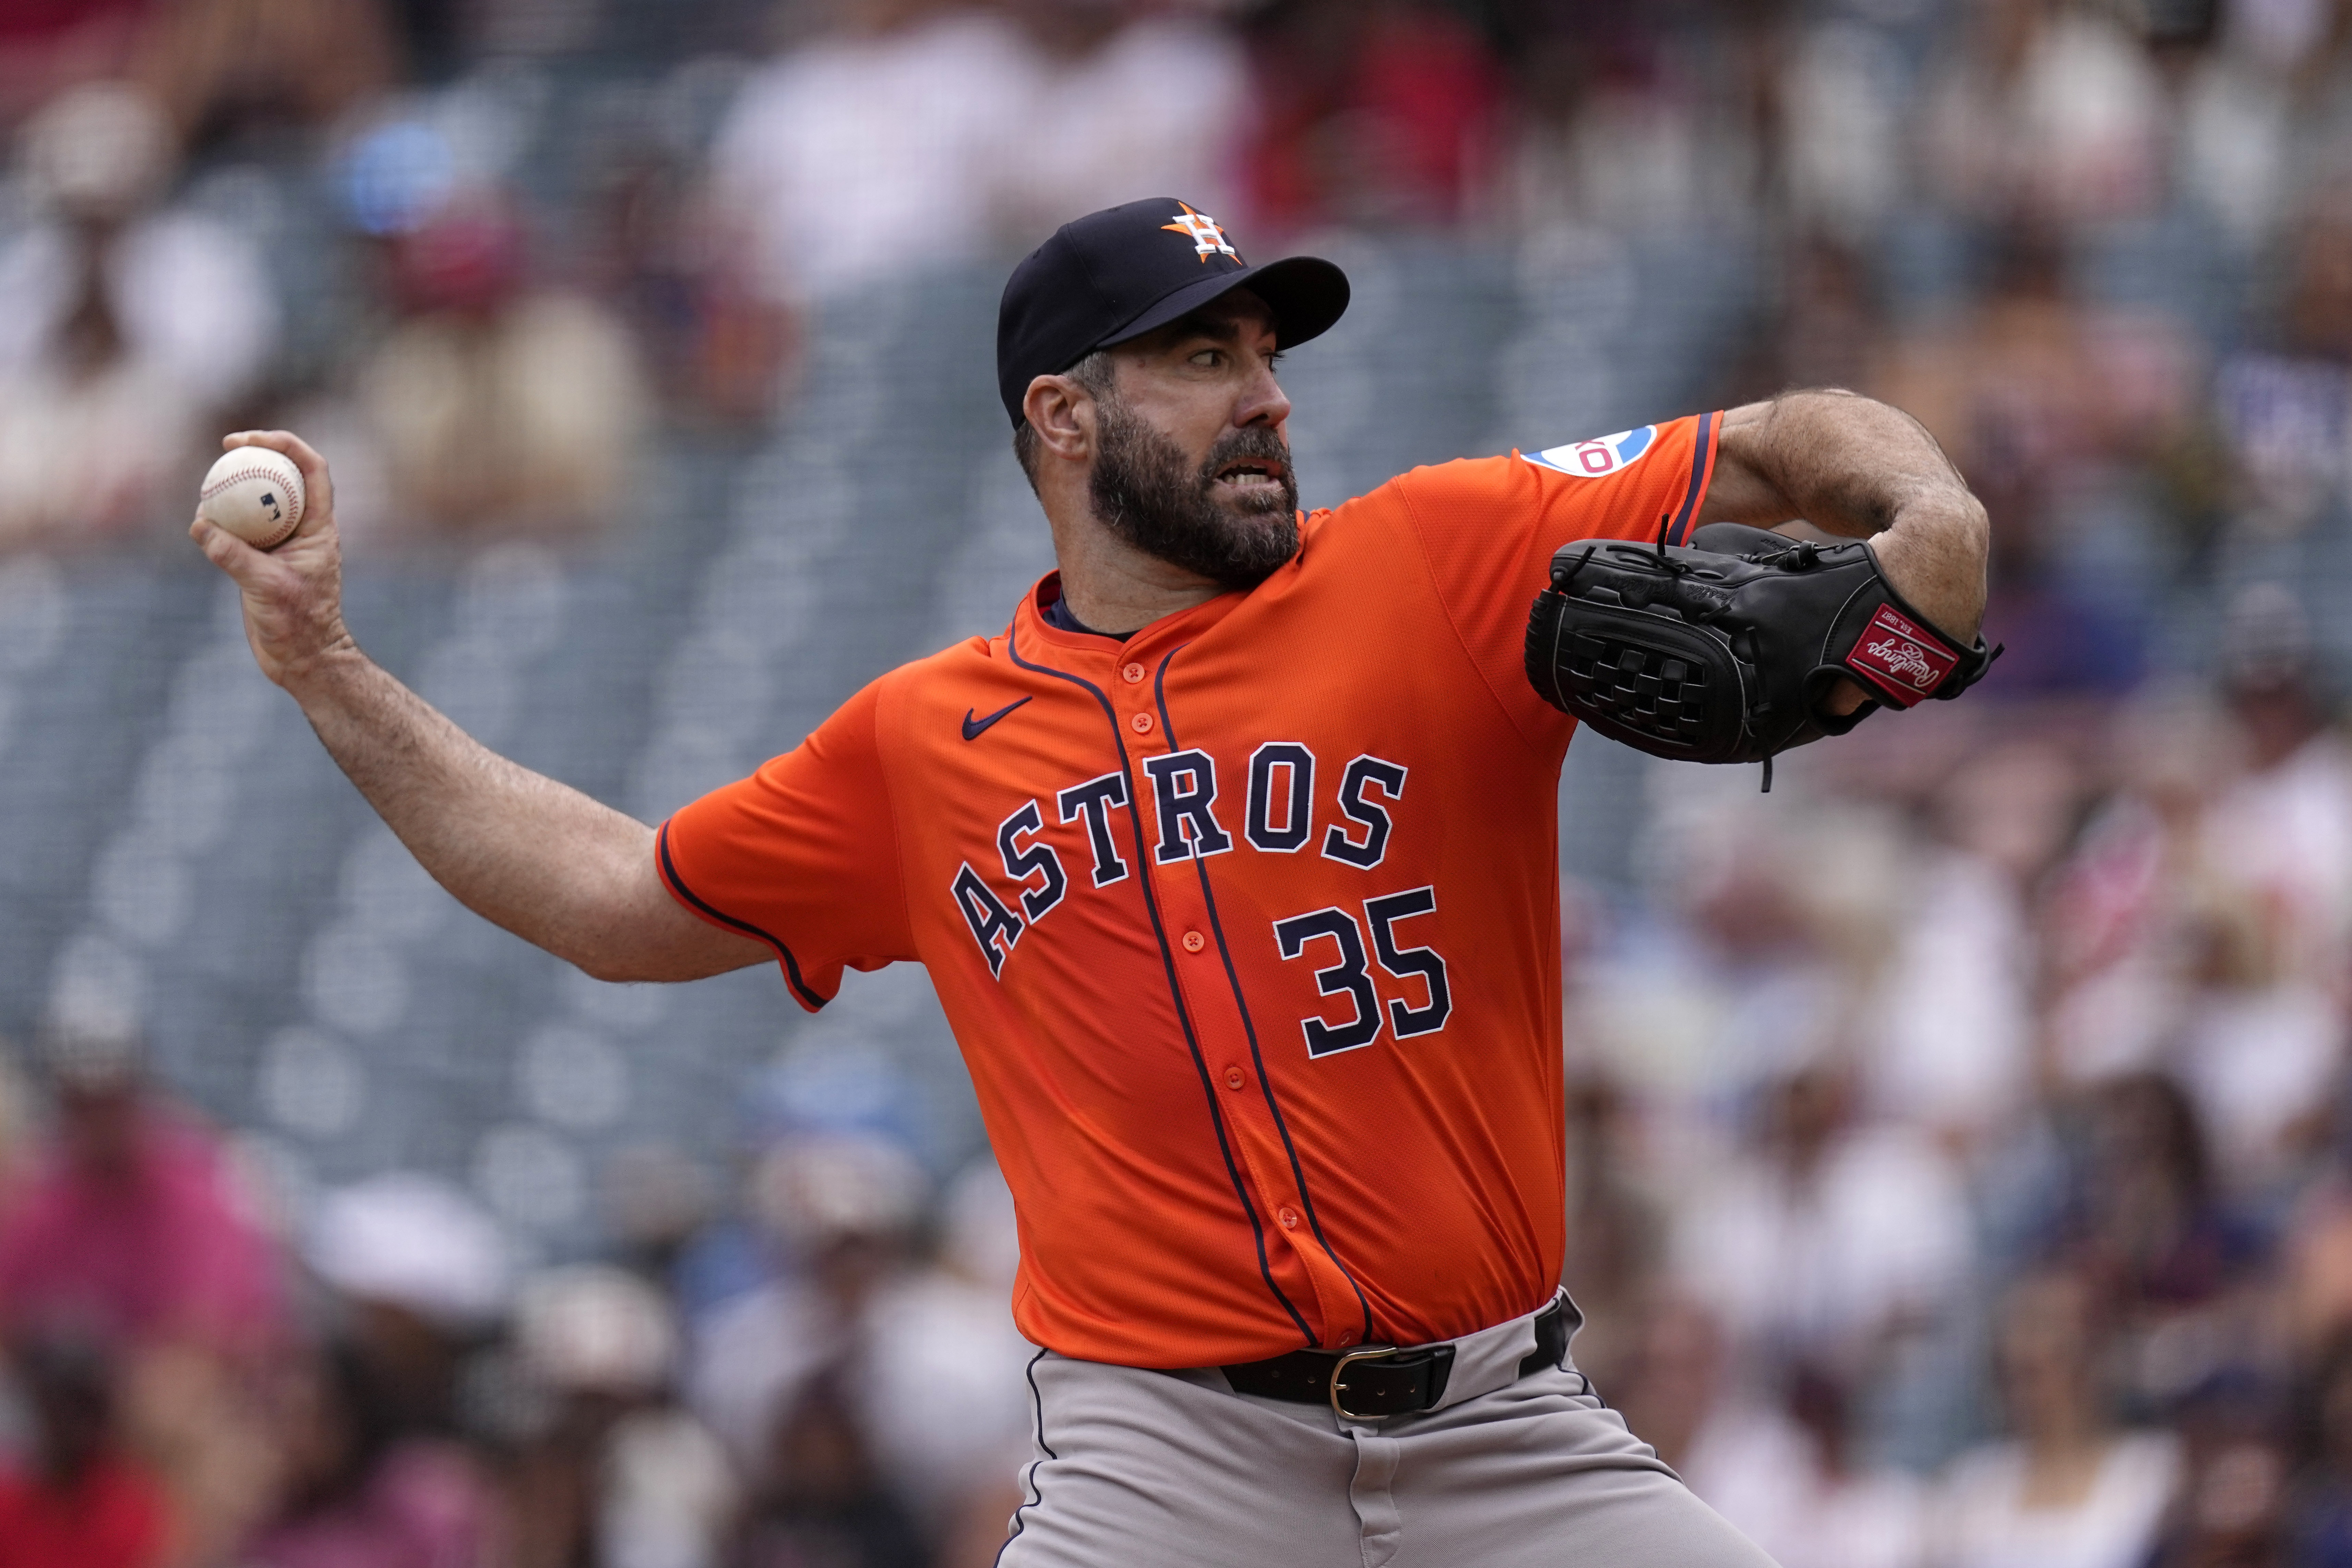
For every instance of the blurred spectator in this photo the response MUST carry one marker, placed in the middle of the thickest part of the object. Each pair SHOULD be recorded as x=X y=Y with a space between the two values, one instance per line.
x=1771 y=1447
x=2236 y=110
x=2068 y=1489
x=2319 y=1511
x=1955 y=1024
x=356 y=1490
x=133 y=1228
x=2123 y=905
x=873 y=151
x=1380 y=114
x=1615 y=1228
x=49 y=46
x=2049 y=108
x=607 y=1469
x=1793 y=1482
x=1101 y=124
x=239 y=72
x=2154 y=1229
x=420 y=1274
x=1750 y=904
x=844 y=1208
x=2285 y=408
x=501 y=404
x=1674 y=1389
x=1828 y=331
x=2230 y=1510
x=653 y=1197
x=2266 y=1038
x=2316 y=1284
x=1841 y=100
x=2165 y=1249
x=78 y=1498
x=1611 y=134
x=2318 y=54
x=820 y=1498
x=126 y=328
x=1830 y=1240
x=2202 y=923
x=720 y=345
x=925 y=1356
x=131 y=1222
x=15 y=1116
x=2037 y=393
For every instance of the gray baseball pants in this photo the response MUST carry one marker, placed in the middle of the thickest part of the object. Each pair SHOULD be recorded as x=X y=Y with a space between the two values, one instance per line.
x=1134 y=1469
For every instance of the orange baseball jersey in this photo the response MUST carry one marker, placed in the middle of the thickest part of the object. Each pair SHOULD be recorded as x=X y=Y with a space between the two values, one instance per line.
x=1248 y=925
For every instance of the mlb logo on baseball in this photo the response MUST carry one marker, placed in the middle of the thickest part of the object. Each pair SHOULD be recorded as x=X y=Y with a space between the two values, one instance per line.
x=1907 y=662
x=1601 y=455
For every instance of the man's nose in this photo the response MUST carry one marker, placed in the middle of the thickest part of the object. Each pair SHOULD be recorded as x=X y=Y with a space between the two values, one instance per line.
x=1263 y=402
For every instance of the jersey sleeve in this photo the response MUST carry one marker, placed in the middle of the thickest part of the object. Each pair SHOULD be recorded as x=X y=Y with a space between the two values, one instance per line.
x=1488 y=526
x=802 y=854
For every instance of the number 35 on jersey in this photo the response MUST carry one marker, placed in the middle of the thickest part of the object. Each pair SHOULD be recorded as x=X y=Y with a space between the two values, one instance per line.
x=1189 y=819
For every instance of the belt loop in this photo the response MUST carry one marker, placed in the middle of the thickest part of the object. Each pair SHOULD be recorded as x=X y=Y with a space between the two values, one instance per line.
x=1552 y=1328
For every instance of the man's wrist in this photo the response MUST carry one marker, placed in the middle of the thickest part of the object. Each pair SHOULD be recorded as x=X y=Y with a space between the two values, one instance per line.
x=320 y=675
x=1937 y=566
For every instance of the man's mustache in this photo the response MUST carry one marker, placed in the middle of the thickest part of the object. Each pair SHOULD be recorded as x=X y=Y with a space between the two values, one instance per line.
x=1255 y=442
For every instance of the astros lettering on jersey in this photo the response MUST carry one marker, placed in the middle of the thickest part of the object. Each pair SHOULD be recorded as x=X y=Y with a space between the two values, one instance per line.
x=1248 y=925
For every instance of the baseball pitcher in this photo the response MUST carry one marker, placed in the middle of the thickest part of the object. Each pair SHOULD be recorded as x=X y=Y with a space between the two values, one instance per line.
x=1233 y=860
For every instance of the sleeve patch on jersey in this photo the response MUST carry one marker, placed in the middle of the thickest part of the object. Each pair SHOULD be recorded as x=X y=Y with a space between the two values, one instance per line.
x=1601 y=456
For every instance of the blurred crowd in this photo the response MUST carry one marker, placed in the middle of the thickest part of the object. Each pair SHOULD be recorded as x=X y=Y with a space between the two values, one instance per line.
x=824 y=1373
x=1958 y=1151
x=2098 y=244
x=1958 y=1159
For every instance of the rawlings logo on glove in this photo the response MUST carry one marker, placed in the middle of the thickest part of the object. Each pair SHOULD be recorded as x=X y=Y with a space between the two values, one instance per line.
x=1907 y=663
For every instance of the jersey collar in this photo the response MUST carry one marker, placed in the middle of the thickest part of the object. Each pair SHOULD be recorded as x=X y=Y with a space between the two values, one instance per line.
x=1030 y=623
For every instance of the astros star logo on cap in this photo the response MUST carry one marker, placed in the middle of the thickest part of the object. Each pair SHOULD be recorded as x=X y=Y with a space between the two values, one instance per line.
x=1207 y=238
x=1115 y=275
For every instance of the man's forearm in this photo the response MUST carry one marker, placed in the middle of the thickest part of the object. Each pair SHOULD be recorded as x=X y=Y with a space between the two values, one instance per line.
x=548 y=863
x=1858 y=468
x=544 y=860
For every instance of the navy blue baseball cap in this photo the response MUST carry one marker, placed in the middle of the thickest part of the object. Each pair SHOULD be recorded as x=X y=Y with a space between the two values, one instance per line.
x=1119 y=273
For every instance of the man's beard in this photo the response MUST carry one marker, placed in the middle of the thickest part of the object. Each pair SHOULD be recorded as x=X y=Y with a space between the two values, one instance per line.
x=1144 y=493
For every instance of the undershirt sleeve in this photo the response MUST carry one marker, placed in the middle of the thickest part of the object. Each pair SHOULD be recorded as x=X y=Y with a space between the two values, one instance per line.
x=802 y=854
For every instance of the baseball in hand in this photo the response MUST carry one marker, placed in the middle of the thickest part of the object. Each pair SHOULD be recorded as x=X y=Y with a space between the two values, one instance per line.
x=255 y=494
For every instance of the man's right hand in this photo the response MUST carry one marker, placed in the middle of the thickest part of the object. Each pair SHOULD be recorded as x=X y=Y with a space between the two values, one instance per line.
x=293 y=595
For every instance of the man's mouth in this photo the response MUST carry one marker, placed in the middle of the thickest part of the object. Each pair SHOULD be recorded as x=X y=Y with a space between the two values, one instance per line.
x=1246 y=474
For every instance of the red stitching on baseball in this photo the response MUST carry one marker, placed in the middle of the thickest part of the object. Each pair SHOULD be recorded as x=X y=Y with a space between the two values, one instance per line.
x=237 y=475
x=262 y=471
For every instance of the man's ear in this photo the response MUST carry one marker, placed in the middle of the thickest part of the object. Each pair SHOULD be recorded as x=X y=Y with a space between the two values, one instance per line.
x=1062 y=412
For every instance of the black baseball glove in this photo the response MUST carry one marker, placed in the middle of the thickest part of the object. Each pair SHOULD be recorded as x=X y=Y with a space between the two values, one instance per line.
x=1725 y=651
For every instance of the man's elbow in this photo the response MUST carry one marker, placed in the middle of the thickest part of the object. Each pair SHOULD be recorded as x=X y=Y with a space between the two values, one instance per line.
x=613 y=969
x=663 y=957
x=642 y=966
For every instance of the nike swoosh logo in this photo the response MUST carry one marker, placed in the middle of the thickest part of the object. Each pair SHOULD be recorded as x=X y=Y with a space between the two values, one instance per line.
x=974 y=727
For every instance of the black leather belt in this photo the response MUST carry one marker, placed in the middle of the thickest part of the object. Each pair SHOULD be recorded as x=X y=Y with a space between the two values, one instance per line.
x=1374 y=1380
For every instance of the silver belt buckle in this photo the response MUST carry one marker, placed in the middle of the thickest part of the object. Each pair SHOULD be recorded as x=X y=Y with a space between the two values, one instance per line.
x=1340 y=1373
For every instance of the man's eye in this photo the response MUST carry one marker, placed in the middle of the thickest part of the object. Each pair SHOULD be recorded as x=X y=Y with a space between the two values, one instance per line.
x=1208 y=359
